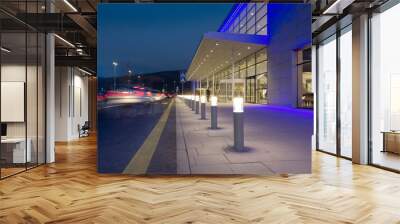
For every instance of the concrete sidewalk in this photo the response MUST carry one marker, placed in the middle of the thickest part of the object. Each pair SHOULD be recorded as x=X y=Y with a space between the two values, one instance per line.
x=278 y=139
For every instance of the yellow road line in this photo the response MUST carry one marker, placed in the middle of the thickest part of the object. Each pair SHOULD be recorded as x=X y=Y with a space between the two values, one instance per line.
x=141 y=160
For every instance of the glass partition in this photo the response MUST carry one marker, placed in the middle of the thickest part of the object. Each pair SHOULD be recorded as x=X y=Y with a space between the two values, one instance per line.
x=14 y=144
x=385 y=89
x=22 y=91
x=346 y=93
x=327 y=95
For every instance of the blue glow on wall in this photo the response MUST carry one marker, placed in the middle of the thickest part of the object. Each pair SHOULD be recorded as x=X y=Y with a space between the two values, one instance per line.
x=283 y=17
x=235 y=12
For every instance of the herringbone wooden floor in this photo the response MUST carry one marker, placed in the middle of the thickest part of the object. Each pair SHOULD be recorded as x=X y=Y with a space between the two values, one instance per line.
x=70 y=191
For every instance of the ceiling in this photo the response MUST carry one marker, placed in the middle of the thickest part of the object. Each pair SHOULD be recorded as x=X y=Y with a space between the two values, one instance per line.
x=75 y=21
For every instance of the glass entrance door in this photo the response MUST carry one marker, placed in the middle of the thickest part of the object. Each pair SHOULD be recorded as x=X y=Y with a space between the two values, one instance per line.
x=251 y=89
x=262 y=89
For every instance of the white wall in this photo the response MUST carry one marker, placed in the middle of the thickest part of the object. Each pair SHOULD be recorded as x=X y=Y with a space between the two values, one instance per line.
x=289 y=29
x=33 y=126
x=17 y=73
x=71 y=102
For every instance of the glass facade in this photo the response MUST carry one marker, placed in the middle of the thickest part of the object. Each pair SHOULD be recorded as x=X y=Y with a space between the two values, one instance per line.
x=251 y=18
x=385 y=89
x=22 y=87
x=250 y=74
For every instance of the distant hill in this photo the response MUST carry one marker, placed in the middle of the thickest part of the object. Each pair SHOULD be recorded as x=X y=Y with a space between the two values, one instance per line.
x=156 y=80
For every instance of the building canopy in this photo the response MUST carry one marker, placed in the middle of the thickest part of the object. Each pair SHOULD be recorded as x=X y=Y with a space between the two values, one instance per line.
x=217 y=50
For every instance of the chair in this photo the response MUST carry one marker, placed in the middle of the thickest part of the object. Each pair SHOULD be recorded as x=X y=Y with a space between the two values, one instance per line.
x=84 y=130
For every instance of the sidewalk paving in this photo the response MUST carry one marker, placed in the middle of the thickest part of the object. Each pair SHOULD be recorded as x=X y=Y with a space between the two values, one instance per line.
x=278 y=141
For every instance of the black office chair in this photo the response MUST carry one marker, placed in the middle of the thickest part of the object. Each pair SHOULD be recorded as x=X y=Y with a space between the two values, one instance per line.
x=84 y=130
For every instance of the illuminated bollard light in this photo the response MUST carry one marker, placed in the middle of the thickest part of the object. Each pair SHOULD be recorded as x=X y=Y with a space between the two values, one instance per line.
x=192 y=102
x=214 y=110
x=197 y=106
x=238 y=128
x=203 y=100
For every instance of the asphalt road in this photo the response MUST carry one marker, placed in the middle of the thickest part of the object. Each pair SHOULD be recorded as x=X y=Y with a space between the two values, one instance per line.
x=122 y=129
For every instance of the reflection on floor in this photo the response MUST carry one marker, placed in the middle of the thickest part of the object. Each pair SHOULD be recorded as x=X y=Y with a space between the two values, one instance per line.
x=10 y=171
x=278 y=140
x=387 y=159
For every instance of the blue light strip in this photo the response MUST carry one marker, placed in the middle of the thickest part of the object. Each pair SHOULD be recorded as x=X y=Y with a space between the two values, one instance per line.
x=235 y=12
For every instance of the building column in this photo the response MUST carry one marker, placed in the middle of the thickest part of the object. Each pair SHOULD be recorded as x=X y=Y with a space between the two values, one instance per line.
x=193 y=86
x=233 y=80
x=314 y=89
x=360 y=90
x=213 y=85
x=64 y=103
x=199 y=88
x=50 y=98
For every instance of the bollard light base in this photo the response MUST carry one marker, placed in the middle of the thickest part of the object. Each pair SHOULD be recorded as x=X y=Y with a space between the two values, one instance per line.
x=197 y=107
x=238 y=131
x=214 y=117
x=203 y=111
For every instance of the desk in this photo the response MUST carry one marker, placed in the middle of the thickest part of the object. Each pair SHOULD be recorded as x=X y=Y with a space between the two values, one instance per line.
x=391 y=141
x=16 y=147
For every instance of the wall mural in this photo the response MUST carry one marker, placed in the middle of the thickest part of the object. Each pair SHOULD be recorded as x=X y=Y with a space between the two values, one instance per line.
x=175 y=83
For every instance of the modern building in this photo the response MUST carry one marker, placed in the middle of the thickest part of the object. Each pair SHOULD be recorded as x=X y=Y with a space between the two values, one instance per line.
x=351 y=84
x=251 y=56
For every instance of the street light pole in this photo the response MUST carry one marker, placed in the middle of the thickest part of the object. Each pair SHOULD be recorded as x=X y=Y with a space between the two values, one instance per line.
x=130 y=76
x=115 y=64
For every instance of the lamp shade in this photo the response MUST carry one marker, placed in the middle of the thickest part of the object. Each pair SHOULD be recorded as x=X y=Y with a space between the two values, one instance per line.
x=214 y=101
x=238 y=105
x=203 y=99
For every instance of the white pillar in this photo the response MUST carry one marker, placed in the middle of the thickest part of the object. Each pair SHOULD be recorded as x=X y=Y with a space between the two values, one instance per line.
x=314 y=88
x=50 y=98
x=233 y=79
x=360 y=90
x=226 y=90
x=199 y=87
x=233 y=74
x=213 y=84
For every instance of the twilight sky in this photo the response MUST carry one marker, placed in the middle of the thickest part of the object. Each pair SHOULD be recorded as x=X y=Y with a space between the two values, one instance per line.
x=153 y=37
